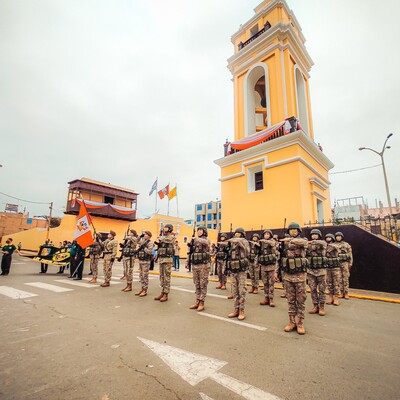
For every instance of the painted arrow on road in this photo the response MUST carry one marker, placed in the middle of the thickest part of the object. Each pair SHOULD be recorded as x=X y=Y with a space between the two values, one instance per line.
x=194 y=368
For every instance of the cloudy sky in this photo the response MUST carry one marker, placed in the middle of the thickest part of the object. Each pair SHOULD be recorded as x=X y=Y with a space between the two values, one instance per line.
x=124 y=91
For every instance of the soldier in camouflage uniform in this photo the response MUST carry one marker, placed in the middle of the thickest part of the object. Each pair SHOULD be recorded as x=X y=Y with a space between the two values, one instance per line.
x=165 y=254
x=95 y=252
x=128 y=249
x=316 y=271
x=110 y=252
x=144 y=255
x=294 y=269
x=333 y=270
x=200 y=259
x=237 y=264
x=267 y=260
x=220 y=261
x=254 y=268
x=346 y=262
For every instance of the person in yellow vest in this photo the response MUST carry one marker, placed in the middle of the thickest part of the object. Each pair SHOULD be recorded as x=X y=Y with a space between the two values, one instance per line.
x=110 y=252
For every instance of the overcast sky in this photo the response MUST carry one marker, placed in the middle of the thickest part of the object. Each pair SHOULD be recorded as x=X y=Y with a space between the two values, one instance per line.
x=124 y=91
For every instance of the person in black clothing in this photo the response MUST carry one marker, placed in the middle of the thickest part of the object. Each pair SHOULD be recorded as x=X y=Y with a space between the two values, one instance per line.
x=7 y=251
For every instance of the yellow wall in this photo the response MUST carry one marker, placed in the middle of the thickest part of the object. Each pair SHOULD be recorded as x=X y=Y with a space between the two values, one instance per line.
x=33 y=238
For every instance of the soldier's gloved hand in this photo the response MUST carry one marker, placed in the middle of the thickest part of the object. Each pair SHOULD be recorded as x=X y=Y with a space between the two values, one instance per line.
x=350 y=267
x=118 y=259
x=112 y=259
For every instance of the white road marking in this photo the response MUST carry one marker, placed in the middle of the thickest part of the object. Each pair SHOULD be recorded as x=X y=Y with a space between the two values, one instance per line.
x=15 y=293
x=75 y=283
x=234 y=321
x=194 y=368
x=47 y=286
x=204 y=396
x=18 y=263
x=33 y=337
x=192 y=291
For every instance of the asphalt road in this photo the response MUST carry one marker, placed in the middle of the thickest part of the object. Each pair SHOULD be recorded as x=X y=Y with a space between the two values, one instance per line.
x=101 y=343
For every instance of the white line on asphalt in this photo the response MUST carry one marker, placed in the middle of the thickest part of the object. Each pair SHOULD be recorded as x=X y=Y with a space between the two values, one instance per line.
x=18 y=263
x=204 y=396
x=15 y=293
x=233 y=321
x=47 y=286
x=33 y=337
x=192 y=291
x=75 y=283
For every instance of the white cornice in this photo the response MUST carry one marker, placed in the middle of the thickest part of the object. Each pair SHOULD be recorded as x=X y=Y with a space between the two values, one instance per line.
x=245 y=57
x=318 y=183
x=275 y=3
x=298 y=137
x=319 y=195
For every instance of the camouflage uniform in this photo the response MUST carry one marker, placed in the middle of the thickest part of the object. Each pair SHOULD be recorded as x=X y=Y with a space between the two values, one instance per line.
x=333 y=269
x=110 y=252
x=346 y=260
x=238 y=265
x=294 y=266
x=220 y=261
x=316 y=271
x=267 y=260
x=144 y=256
x=254 y=268
x=200 y=259
x=95 y=251
x=165 y=254
x=128 y=253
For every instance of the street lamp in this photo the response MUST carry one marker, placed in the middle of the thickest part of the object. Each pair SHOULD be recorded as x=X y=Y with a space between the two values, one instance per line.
x=380 y=154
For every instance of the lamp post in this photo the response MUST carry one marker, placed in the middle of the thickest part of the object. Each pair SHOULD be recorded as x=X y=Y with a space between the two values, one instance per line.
x=380 y=154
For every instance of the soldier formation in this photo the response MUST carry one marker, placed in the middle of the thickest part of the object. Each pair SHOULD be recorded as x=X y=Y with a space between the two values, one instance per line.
x=323 y=263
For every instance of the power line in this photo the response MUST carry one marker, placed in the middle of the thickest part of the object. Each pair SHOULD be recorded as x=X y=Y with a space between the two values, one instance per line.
x=353 y=170
x=25 y=201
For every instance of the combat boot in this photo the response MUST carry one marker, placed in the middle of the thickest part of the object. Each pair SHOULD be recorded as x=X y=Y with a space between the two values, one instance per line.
x=93 y=280
x=335 y=300
x=271 y=303
x=234 y=314
x=340 y=296
x=164 y=297
x=314 y=310
x=195 y=305
x=201 y=306
x=139 y=293
x=346 y=296
x=230 y=296
x=300 y=327
x=241 y=316
x=218 y=287
x=144 y=293
x=255 y=290
x=105 y=284
x=330 y=301
x=264 y=302
x=283 y=295
x=159 y=297
x=251 y=290
x=223 y=287
x=292 y=324
x=128 y=288
x=321 y=311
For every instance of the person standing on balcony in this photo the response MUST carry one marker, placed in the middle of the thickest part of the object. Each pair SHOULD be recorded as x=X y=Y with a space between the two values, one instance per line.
x=110 y=252
x=346 y=262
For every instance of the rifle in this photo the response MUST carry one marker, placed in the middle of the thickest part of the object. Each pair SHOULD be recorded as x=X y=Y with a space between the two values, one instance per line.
x=122 y=245
x=191 y=250
x=281 y=250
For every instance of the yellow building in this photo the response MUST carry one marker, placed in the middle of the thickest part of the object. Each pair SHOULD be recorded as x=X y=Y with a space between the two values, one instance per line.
x=273 y=169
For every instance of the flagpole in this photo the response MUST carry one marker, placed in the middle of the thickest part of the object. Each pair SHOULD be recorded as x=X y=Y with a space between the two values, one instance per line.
x=177 y=208
x=156 y=193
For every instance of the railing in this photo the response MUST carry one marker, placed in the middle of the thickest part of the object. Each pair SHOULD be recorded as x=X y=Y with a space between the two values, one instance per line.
x=241 y=45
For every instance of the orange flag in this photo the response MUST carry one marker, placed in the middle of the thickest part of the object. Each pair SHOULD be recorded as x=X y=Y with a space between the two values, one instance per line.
x=83 y=234
x=172 y=193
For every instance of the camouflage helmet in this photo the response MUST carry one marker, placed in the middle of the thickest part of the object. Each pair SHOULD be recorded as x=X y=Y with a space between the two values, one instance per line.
x=330 y=236
x=225 y=235
x=294 y=225
x=268 y=231
x=255 y=235
x=316 y=232
x=339 y=234
x=204 y=229
x=169 y=227
x=241 y=231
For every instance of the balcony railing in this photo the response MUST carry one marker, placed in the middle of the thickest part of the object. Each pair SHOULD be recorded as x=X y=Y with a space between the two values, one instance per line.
x=254 y=37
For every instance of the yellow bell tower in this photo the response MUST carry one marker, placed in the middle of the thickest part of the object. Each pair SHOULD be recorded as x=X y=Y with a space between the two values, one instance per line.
x=273 y=169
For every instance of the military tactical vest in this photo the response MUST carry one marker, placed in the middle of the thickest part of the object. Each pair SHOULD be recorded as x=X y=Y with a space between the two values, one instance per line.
x=95 y=249
x=165 y=248
x=254 y=251
x=142 y=255
x=129 y=246
x=315 y=254
x=295 y=260
x=267 y=254
x=332 y=259
x=201 y=253
x=237 y=259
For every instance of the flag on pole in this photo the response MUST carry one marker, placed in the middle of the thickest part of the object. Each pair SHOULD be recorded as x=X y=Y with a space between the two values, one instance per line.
x=154 y=187
x=83 y=234
x=172 y=193
x=164 y=192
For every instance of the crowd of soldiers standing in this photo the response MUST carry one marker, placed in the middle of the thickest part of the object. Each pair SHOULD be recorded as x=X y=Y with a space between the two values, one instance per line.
x=324 y=263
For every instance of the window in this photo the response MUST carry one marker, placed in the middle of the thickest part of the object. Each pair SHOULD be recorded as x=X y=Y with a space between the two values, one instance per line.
x=301 y=98
x=215 y=216
x=209 y=206
x=198 y=219
x=215 y=226
x=199 y=207
x=254 y=30
x=219 y=205
x=209 y=226
x=209 y=217
x=219 y=215
x=258 y=181
x=203 y=217
x=108 y=200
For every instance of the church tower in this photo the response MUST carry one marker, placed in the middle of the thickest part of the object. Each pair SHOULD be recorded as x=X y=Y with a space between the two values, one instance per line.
x=273 y=169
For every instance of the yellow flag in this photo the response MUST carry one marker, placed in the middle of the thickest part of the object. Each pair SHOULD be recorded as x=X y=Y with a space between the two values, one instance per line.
x=172 y=193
